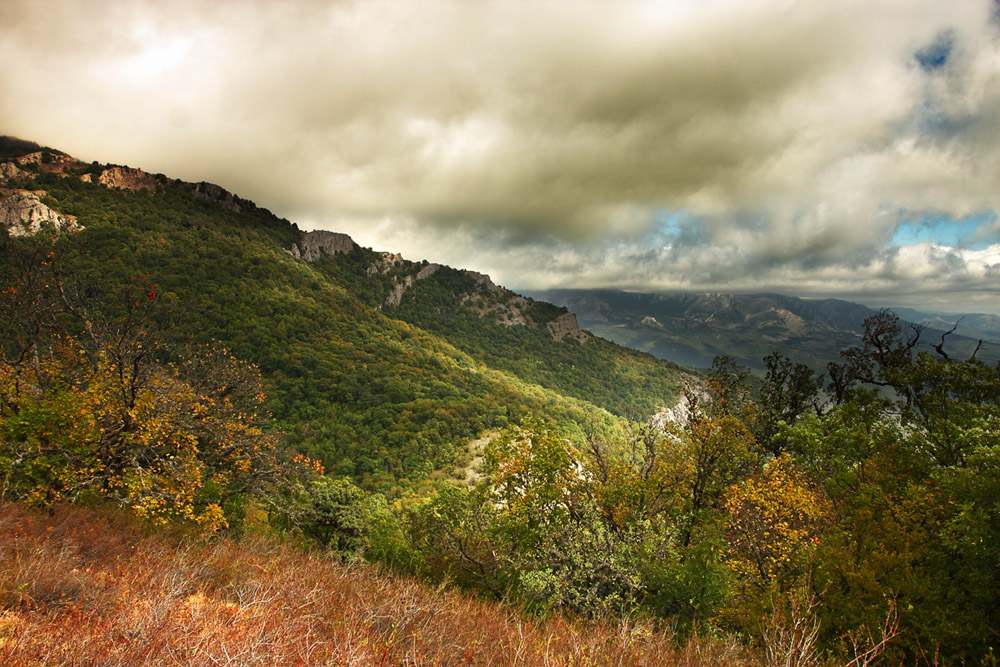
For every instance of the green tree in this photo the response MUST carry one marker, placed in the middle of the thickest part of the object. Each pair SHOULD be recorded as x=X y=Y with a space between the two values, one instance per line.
x=786 y=392
x=336 y=516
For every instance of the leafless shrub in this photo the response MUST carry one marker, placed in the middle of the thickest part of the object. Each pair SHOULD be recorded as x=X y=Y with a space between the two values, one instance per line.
x=791 y=632
x=867 y=646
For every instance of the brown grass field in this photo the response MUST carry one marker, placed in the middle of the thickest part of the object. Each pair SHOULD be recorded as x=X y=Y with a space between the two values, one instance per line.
x=86 y=587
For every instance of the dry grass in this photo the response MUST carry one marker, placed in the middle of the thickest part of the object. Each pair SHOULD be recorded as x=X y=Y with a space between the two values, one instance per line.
x=85 y=588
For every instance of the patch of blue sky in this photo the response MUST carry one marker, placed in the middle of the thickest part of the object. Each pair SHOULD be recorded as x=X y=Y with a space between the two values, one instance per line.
x=935 y=55
x=974 y=232
x=678 y=227
x=669 y=223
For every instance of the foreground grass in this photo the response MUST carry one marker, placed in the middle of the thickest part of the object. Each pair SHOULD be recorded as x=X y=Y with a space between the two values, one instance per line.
x=80 y=587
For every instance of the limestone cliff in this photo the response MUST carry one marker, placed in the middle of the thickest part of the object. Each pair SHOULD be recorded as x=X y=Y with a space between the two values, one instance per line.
x=126 y=178
x=399 y=287
x=213 y=192
x=386 y=262
x=566 y=325
x=482 y=280
x=24 y=214
x=318 y=243
x=9 y=170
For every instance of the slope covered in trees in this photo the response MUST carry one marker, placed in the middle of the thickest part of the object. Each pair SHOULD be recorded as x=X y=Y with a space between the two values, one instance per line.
x=376 y=395
x=862 y=511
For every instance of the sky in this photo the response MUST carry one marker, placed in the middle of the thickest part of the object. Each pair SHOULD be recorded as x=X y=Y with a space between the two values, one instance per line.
x=847 y=149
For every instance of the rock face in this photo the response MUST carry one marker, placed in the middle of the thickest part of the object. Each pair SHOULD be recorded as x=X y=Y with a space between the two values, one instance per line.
x=566 y=325
x=385 y=263
x=46 y=157
x=399 y=287
x=681 y=411
x=126 y=178
x=482 y=280
x=319 y=243
x=9 y=170
x=24 y=214
x=508 y=311
x=213 y=192
x=511 y=314
x=428 y=271
x=30 y=158
x=398 y=290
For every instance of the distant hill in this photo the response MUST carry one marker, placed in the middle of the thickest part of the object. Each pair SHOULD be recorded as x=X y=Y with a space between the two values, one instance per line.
x=692 y=328
x=971 y=325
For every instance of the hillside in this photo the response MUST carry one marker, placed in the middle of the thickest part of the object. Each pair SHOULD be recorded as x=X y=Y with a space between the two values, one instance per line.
x=382 y=368
x=692 y=328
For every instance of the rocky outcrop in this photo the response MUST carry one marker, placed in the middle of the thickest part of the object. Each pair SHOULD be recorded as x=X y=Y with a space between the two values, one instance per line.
x=508 y=311
x=46 y=157
x=386 y=261
x=9 y=170
x=30 y=158
x=566 y=325
x=319 y=243
x=45 y=162
x=399 y=287
x=511 y=314
x=213 y=192
x=682 y=410
x=428 y=271
x=482 y=280
x=24 y=214
x=126 y=178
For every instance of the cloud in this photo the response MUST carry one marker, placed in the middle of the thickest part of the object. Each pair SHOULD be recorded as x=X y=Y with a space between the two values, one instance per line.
x=787 y=134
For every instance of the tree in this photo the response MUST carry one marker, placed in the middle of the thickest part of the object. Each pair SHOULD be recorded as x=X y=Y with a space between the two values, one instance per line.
x=720 y=451
x=772 y=521
x=786 y=393
x=90 y=407
x=336 y=515
x=729 y=387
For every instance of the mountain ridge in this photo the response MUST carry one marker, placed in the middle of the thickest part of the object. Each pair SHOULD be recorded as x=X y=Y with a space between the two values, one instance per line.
x=691 y=328
x=383 y=368
x=312 y=246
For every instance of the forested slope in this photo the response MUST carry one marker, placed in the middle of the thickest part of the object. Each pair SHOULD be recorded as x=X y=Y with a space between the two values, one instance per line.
x=378 y=394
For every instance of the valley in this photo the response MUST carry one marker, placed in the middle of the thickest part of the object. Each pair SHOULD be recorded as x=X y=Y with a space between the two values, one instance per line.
x=693 y=328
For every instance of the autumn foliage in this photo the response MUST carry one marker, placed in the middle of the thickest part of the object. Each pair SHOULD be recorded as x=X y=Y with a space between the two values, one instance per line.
x=92 y=407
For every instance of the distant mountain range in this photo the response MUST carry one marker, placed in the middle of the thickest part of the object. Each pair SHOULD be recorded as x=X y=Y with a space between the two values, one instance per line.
x=972 y=325
x=692 y=328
